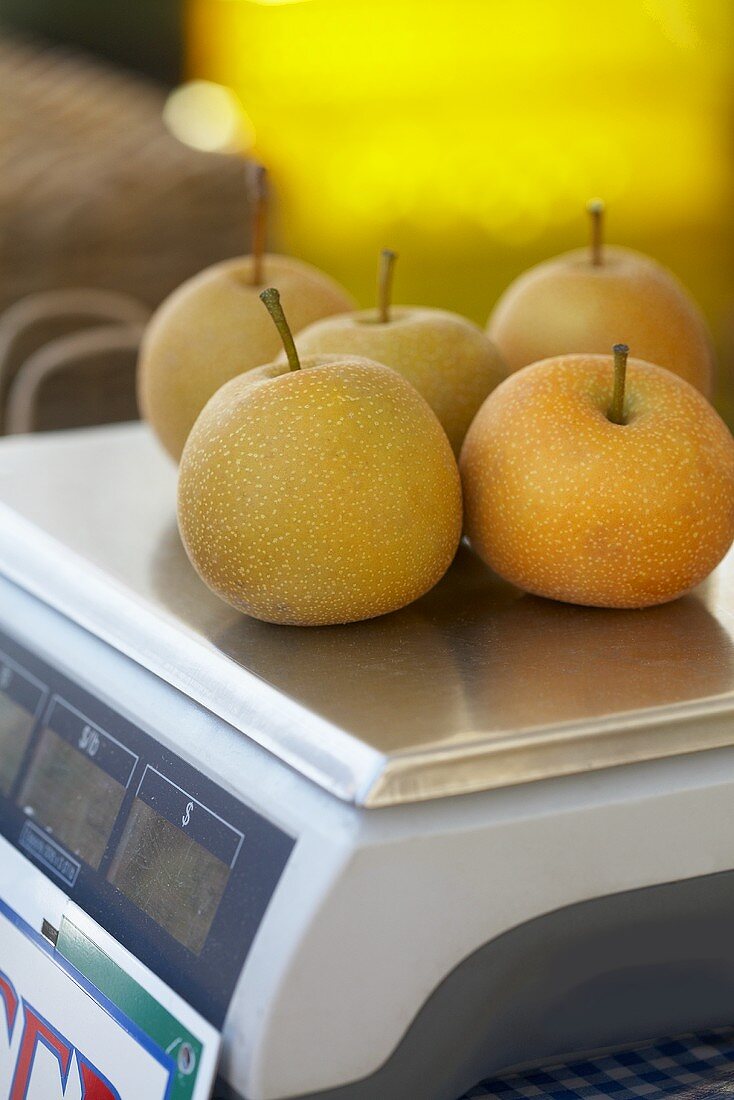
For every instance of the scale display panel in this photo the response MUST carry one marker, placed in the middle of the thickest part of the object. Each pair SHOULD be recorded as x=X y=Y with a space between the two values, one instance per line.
x=174 y=859
x=175 y=868
x=76 y=782
x=21 y=700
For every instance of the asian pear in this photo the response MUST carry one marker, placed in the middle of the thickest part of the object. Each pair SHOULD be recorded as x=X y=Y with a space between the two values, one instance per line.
x=320 y=490
x=446 y=357
x=596 y=482
x=586 y=300
x=213 y=327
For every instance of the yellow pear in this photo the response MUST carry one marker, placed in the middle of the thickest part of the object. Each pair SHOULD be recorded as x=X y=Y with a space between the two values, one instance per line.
x=446 y=357
x=212 y=328
x=318 y=491
x=586 y=300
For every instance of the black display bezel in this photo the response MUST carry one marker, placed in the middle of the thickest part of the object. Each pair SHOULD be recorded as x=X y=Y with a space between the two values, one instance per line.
x=206 y=980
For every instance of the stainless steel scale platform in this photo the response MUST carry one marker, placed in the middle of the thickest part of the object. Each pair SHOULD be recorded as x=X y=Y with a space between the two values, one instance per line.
x=511 y=821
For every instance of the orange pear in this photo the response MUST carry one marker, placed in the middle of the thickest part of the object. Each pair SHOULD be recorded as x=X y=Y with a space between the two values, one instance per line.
x=596 y=483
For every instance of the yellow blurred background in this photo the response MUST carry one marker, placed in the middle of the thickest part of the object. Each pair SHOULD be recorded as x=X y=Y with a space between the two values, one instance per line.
x=468 y=135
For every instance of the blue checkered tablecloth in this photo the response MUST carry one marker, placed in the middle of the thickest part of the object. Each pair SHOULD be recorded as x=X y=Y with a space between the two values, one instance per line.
x=669 y=1068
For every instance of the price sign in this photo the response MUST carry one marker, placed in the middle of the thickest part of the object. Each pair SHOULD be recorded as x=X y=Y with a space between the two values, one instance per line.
x=76 y=1022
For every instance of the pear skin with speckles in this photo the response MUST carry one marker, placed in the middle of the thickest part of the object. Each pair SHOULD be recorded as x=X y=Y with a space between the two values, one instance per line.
x=570 y=305
x=213 y=327
x=447 y=358
x=564 y=503
x=322 y=495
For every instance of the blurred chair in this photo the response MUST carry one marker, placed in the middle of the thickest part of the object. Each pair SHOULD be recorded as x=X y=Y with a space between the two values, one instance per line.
x=38 y=319
x=76 y=381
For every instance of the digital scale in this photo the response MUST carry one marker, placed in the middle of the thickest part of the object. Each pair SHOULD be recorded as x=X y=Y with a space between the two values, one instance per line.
x=373 y=862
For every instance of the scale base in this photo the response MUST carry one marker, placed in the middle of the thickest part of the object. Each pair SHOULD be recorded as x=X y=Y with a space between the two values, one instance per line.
x=594 y=977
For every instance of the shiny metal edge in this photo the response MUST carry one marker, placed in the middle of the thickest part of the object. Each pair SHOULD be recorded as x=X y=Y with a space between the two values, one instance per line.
x=319 y=750
x=632 y=738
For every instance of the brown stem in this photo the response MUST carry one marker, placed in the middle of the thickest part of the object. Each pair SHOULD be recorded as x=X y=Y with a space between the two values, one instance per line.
x=271 y=298
x=259 y=198
x=595 y=210
x=616 y=409
x=384 y=284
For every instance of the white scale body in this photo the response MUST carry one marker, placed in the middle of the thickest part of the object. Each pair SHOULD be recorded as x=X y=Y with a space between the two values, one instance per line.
x=381 y=861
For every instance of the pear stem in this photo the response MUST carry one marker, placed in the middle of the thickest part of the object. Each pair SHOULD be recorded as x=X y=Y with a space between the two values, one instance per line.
x=259 y=225
x=595 y=209
x=384 y=284
x=271 y=298
x=616 y=409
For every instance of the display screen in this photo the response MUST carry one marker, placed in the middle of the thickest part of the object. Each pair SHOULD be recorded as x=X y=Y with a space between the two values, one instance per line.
x=75 y=783
x=174 y=859
x=169 y=876
x=21 y=698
